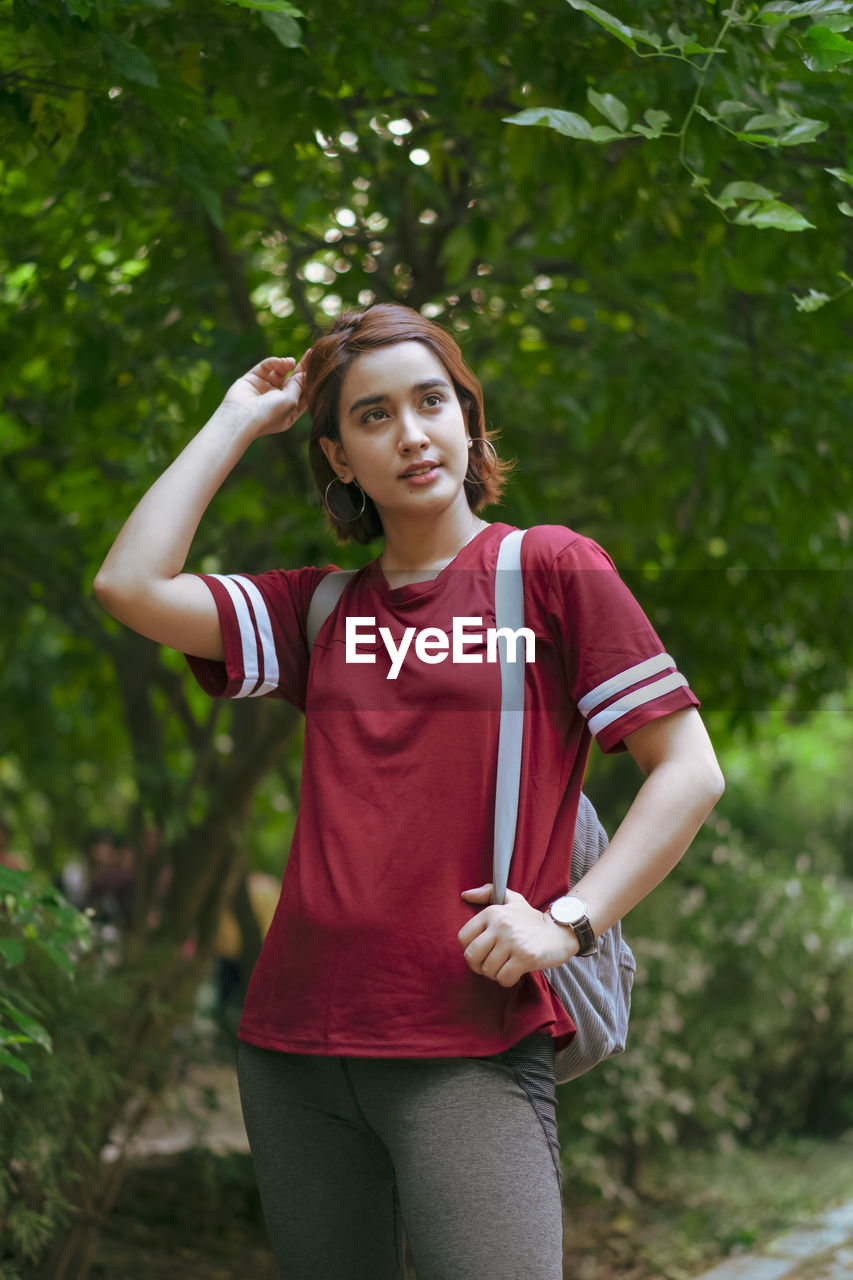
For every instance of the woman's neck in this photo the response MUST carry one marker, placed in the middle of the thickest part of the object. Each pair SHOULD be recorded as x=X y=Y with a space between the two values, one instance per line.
x=415 y=553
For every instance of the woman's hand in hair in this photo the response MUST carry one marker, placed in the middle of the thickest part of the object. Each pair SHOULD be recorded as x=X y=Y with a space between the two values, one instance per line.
x=272 y=393
x=505 y=942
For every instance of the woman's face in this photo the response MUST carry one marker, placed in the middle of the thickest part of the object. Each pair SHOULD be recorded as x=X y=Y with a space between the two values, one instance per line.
x=403 y=435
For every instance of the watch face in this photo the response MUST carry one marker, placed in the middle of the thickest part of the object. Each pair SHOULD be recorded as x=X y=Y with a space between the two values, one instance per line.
x=568 y=910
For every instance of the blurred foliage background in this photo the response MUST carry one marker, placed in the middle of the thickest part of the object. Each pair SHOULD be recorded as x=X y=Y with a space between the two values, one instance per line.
x=637 y=228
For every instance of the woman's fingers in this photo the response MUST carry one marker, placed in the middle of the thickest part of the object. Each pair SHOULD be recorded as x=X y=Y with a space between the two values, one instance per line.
x=274 y=370
x=493 y=958
x=478 y=952
x=279 y=369
x=273 y=393
x=504 y=942
x=482 y=893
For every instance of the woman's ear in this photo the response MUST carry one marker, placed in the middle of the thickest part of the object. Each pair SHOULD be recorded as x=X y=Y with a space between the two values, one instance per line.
x=337 y=458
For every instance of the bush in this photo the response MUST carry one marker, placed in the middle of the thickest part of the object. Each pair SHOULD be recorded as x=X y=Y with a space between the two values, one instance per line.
x=742 y=1020
x=38 y=922
x=59 y=1001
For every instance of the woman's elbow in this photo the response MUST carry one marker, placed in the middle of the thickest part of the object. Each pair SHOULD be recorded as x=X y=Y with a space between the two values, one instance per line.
x=108 y=593
x=711 y=783
x=103 y=589
x=716 y=784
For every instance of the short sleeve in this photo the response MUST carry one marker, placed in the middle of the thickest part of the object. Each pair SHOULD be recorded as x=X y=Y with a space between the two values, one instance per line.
x=619 y=674
x=262 y=618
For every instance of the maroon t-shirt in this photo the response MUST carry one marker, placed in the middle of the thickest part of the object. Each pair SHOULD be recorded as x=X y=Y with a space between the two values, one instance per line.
x=398 y=783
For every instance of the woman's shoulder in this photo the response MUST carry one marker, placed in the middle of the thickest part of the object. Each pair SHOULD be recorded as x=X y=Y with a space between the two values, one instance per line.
x=556 y=545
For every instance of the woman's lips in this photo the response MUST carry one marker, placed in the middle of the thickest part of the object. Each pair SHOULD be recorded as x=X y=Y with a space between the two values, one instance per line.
x=422 y=477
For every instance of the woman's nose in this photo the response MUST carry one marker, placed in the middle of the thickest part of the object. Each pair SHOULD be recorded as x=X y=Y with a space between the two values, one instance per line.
x=412 y=433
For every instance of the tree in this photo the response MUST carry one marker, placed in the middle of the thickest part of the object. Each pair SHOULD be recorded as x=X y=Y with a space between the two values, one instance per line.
x=187 y=187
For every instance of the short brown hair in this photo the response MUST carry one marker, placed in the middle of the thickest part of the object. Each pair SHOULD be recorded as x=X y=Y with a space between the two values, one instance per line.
x=383 y=325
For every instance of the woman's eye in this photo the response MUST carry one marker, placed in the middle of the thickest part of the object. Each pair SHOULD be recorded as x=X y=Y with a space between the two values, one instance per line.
x=432 y=400
x=370 y=416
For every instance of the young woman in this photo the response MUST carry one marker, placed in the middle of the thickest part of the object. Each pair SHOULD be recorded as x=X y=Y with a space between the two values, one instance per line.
x=396 y=1050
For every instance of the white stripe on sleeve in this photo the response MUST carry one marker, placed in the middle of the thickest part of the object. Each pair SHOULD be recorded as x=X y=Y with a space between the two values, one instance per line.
x=637 y=698
x=247 y=635
x=601 y=692
x=262 y=618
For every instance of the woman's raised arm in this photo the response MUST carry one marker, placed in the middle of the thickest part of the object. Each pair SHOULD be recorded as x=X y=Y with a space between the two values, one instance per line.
x=141 y=582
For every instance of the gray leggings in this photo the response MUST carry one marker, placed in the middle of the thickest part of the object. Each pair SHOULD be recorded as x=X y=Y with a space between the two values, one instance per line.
x=458 y=1151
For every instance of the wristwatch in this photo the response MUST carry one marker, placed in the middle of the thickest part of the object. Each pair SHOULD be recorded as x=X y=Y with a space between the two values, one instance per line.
x=571 y=910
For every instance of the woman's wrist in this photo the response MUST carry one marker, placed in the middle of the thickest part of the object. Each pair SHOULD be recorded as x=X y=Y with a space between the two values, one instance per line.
x=237 y=424
x=565 y=939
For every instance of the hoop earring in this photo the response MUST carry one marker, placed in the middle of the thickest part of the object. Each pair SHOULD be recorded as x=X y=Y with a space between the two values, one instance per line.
x=334 y=514
x=488 y=444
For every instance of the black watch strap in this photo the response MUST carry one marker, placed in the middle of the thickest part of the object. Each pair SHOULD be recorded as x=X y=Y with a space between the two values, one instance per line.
x=585 y=936
x=570 y=911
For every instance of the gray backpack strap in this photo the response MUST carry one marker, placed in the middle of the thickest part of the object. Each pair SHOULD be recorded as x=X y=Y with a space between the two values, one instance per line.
x=325 y=597
x=509 y=612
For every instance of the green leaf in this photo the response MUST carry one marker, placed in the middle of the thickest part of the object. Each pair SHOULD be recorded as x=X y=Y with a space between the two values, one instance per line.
x=765 y=214
x=603 y=133
x=285 y=28
x=566 y=122
x=735 y=191
x=784 y=12
x=9 y=1060
x=657 y=119
x=803 y=131
x=277 y=6
x=57 y=955
x=656 y=122
x=12 y=881
x=209 y=199
x=797 y=129
x=75 y=112
x=611 y=108
x=757 y=123
x=728 y=107
x=813 y=301
x=826 y=49
x=746 y=191
x=606 y=20
x=706 y=422
x=37 y=1033
x=12 y=951
x=845 y=208
x=129 y=61
x=678 y=37
x=213 y=130
x=844 y=174
x=686 y=42
x=617 y=28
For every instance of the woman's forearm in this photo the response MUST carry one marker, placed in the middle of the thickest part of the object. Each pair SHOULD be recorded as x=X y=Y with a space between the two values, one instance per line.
x=666 y=814
x=156 y=538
